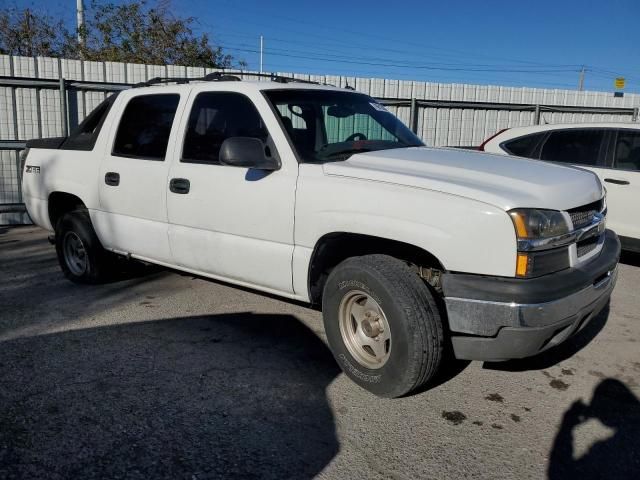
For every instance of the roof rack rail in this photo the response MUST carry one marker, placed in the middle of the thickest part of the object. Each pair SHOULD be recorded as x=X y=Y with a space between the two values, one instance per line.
x=272 y=76
x=219 y=77
x=159 y=80
x=223 y=77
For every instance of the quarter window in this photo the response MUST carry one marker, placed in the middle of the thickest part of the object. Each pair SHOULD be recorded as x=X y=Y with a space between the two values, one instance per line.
x=214 y=118
x=524 y=146
x=627 y=153
x=573 y=146
x=145 y=126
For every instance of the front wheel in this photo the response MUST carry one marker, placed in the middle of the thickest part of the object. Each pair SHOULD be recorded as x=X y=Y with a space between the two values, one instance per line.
x=382 y=325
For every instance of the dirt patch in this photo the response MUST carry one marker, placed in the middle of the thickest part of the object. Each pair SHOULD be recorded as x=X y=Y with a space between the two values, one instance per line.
x=454 y=417
x=495 y=397
x=515 y=418
x=558 y=384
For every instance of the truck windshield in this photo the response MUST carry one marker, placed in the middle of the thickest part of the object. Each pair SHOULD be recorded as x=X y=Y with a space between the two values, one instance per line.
x=328 y=125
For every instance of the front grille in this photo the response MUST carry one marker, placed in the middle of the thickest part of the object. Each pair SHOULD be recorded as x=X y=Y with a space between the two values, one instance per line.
x=583 y=216
x=586 y=246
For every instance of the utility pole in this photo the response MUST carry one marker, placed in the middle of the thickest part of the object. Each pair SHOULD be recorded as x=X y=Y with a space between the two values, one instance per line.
x=80 y=20
x=261 y=49
x=581 y=80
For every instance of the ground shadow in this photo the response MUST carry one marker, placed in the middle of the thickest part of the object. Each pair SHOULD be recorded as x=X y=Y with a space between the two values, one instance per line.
x=555 y=355
x=237 y=395
x=618 y=456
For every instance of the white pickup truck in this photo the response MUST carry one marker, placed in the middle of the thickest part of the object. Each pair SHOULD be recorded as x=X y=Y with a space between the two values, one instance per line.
x=319 y=194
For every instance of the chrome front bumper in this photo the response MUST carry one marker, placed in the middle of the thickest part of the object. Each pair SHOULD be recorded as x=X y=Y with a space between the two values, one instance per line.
x=486 y=329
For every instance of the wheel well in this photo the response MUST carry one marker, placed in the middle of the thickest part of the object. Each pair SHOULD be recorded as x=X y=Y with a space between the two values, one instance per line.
x=333 y=248
x=61 y=203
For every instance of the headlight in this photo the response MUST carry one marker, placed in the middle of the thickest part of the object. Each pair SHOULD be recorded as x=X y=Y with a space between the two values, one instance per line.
x=532 y=224
x=532 y=228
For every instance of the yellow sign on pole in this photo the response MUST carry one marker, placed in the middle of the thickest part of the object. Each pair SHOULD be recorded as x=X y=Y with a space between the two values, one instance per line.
x=619 y=83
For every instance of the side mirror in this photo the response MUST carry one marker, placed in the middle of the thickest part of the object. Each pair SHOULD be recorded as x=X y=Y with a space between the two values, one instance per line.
x=247 y=152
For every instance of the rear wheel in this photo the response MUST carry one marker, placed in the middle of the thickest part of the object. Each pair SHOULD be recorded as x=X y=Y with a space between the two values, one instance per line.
x=80 y=254
x=382 y=324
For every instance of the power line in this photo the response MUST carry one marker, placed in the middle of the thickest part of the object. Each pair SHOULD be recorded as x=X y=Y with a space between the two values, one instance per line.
x=361 y=34
x=328 y=58
x=410 y=64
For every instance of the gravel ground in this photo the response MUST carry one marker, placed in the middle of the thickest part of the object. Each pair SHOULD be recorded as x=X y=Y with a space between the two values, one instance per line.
x=170 y=376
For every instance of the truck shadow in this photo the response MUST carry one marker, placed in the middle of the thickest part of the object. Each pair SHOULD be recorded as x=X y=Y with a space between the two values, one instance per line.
x=555 y=355
x=618 y=456
x=233 y=395
x=630 y=258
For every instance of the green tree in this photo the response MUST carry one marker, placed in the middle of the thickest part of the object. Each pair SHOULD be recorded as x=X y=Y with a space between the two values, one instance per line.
x=139 y=33
x=134 y=32
x=23 y=32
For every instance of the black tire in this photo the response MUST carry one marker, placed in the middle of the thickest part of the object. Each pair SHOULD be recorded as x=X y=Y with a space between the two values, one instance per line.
x=409 y=309
x=73 y=227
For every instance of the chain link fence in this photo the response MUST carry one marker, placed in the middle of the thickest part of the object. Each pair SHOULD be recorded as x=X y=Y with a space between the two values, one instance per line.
x=47 y=97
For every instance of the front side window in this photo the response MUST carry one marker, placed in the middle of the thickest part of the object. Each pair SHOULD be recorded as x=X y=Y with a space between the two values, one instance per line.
x=573 y=146
x=145 y=127
x=327 y=125
x=627 y=152
x=216 y=116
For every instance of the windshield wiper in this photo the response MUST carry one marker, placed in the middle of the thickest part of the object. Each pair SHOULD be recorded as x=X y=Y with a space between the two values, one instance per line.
x=344 y=153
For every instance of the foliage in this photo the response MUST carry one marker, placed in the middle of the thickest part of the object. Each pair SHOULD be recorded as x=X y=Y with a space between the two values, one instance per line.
x=28 y=34
x=133 y=32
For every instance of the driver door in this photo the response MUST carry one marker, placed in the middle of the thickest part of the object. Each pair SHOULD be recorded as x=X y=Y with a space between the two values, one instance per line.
x=230 y=222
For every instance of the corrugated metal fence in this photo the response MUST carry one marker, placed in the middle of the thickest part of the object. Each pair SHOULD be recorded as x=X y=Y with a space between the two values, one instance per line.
x=45 y=97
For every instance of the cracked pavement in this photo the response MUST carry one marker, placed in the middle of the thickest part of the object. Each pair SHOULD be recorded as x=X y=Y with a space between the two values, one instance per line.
x=170 y=376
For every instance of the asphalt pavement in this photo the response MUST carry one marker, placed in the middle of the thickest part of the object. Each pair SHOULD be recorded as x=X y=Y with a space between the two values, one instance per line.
x=164 y=375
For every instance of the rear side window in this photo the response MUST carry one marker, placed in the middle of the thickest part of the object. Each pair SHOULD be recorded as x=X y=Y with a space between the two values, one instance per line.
x=145 y=126
x=627 y=152
x=573 y=146
x=524 y=146
x=214 y=117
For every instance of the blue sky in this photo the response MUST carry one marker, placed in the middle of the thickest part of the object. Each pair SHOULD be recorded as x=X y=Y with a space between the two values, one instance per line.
x=536 y=43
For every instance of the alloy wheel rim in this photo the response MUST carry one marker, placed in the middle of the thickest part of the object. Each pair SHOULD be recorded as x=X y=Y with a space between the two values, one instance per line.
x=365 y=330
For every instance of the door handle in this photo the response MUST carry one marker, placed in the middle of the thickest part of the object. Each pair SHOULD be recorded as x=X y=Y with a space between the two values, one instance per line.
x=112 y=178
x=179 y=185
x=616 y=181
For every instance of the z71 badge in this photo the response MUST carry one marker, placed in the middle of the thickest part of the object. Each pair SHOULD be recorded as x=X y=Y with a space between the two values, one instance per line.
x=32 y=168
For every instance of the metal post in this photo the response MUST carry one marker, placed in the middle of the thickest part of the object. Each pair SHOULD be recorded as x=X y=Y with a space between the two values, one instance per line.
x=581 y=80
x=80 y=20
x=64 y=117
x=537 y=115
x=413 y=115
x=634 y=116
x=261 y=51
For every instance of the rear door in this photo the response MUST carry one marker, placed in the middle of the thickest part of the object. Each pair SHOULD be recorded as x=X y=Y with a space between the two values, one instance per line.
x=623 y=183
x=133 y=176
x=230 y=222
x=583 y=147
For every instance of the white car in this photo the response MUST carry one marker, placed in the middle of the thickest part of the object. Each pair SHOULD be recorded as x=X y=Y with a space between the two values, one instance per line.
x=610 y=150
x=319 y=194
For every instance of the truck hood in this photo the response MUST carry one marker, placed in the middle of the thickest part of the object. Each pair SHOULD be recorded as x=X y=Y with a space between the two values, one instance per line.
x=503 y=181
